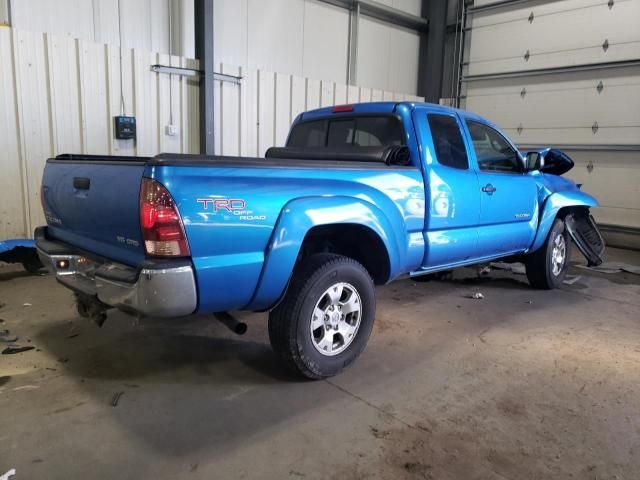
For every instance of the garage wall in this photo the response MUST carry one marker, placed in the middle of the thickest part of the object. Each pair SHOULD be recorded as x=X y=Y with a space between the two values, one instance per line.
x=144 y=23
x=593 y=114
x=257 y=114
x=59 y=95
x=311 y=38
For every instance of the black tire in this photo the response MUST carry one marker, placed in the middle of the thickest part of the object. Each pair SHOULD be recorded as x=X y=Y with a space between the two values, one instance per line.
x=540 y=267
x=290 y=322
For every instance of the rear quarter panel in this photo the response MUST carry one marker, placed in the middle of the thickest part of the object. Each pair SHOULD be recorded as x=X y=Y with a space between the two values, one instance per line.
x=229 y=245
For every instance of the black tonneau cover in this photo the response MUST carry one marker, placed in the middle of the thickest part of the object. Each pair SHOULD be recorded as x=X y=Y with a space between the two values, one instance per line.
x=285 y=157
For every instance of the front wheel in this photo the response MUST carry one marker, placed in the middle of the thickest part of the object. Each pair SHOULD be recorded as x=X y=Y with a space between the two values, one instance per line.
x=325 y=319
x=547 y=266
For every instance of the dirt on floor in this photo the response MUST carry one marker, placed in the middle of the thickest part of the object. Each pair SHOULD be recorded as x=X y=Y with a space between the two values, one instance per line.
x=520 y=384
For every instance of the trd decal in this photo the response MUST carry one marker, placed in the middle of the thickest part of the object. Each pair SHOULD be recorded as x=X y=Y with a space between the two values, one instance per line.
x=235 y=206
x=217 y=204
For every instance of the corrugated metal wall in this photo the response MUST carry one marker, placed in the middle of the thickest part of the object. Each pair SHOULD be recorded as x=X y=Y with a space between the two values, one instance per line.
x=593 y=114
x=311 y=39
x=59 y=95
x=142 y=24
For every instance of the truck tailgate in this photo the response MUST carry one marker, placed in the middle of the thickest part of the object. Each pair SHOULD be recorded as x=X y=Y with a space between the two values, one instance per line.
x=94 y=205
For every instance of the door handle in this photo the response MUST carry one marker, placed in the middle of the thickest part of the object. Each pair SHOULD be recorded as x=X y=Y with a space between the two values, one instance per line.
x=489 y=189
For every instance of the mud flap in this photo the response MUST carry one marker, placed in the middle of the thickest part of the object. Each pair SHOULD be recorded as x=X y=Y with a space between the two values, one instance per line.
x=584 y=232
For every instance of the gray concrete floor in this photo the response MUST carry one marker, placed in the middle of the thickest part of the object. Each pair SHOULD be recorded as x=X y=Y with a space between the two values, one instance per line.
x=522 y=384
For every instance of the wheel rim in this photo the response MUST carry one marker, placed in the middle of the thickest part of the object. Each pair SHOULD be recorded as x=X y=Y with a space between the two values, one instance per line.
x=558 y=254
x=335 y=319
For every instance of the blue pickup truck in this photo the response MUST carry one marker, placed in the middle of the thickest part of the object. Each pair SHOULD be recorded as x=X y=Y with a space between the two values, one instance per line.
x=360 y=195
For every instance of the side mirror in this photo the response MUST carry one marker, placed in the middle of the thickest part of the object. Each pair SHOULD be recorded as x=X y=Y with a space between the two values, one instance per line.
x=549 y=160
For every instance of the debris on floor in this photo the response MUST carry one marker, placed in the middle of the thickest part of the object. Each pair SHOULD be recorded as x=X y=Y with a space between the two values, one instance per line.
x=10 y=350
x=486 y=270
x=477 y=296
x=614 y=267
x=116 y=398
x=518 y=268
x=5 y=336
x=26 y=304
x=8 y=475
x=571 y=279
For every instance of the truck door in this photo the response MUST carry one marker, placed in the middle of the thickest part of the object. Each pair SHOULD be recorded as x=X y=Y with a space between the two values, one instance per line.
x=508 y=198
x=452 y=193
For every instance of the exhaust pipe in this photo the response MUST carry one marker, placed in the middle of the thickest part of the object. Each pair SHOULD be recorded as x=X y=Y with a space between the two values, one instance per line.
x=231 y=322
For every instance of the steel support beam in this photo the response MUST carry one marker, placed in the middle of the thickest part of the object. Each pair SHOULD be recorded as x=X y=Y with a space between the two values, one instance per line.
x=204 y=53
x=432 y=47
x=384 y=13
x=354 y=21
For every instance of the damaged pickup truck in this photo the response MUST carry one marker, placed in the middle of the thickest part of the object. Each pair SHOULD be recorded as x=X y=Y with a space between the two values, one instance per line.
x=359 y=196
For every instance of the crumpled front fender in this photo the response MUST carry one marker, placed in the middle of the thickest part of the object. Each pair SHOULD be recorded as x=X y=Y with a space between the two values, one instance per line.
x=552 y=205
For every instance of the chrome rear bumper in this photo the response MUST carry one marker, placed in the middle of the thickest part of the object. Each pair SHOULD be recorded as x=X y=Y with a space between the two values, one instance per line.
x=157 y=292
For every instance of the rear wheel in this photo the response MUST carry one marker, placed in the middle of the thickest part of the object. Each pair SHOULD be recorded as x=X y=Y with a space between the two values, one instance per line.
x=547 y=266
x=323 y=323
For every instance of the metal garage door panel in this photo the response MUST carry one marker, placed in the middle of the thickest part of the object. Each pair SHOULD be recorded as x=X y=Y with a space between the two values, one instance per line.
x=598 y=171
x=572 y=36
x=562 y=108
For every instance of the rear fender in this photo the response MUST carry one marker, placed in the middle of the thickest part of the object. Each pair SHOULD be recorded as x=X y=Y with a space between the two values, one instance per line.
x=552 y=205
x=301 y=215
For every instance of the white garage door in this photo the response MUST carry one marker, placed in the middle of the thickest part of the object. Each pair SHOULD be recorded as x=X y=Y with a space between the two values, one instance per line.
x=565 y=73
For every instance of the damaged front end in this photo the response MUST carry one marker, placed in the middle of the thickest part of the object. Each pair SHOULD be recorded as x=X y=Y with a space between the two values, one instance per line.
x=583 y=230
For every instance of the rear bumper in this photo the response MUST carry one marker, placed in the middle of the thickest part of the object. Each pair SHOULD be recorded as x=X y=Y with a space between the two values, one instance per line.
x=158 y=288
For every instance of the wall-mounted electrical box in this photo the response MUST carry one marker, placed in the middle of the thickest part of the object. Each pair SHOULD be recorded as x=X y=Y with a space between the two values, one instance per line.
x=125 y=127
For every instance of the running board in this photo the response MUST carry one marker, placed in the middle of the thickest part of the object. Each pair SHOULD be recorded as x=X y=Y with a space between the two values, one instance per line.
x=584 y=232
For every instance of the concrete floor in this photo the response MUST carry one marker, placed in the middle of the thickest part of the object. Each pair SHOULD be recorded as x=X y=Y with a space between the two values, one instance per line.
x=522 y=384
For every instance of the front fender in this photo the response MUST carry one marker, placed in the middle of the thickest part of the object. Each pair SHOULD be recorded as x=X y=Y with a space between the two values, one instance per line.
x=552 y=206
x=301 y=215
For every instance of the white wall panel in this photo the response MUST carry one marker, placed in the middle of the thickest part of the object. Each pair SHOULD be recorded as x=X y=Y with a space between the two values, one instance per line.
x=230 y=34
x=63 y=17
x=403 y=61
x=387 y=56
x=373 y=53
x=326 y=41
x=13 y=223
x=4 y=12
x=275 y=35
x=144 y=23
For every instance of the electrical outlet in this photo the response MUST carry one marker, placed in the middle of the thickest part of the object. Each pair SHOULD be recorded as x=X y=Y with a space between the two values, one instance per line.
x=171 y=130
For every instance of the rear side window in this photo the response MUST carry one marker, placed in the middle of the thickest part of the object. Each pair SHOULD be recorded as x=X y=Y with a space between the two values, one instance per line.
x=358 y=131
x=447 y=141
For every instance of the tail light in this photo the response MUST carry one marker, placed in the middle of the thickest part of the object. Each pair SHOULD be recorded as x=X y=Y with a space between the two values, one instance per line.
x=162 y=228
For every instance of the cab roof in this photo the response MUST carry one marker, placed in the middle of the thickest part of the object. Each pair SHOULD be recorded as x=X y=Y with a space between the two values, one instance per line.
x=382 y=107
